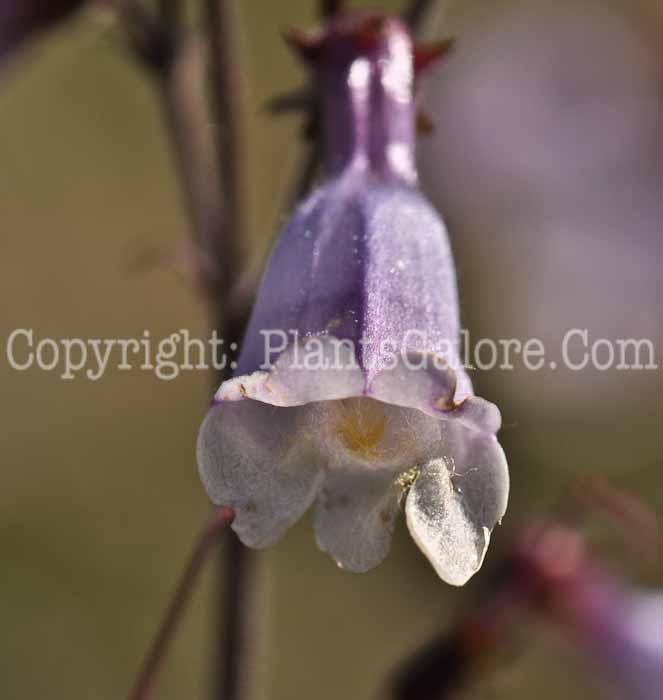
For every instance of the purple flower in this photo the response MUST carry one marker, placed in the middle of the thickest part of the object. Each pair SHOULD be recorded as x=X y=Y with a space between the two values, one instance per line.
x=626 y=641
x=349 y=390
x=618 y=629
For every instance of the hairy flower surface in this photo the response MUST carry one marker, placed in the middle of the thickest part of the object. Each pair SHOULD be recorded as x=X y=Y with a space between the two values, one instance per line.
x=387 y=417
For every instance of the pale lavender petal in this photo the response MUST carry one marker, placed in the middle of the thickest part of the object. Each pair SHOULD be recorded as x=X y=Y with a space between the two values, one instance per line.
x=477 y=414
x=355 y=517
x=420 y=380
x=260 y=461
x=456 y=501
x=320 y=369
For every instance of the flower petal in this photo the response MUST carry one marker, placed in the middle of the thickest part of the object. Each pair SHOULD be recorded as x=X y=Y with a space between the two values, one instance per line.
x=322 y=368
x=355 y=517
x=260 y=461
x=425 y=381
x=456 y=501
x=418 y=379
x=476 y=413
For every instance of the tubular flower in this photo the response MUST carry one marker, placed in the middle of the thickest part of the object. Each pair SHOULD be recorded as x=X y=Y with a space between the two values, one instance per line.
x=624 y=638
x=349 y=391
x=618 y=628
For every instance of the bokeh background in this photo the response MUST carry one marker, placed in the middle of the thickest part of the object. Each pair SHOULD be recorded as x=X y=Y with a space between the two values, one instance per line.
x=546 y=163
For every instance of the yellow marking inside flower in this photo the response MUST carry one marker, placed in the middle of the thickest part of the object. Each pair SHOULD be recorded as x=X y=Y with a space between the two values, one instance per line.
x=406 y=479
x=362 y=426
x=405 y=482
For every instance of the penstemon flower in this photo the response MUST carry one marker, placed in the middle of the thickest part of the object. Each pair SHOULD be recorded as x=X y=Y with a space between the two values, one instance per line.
x=362 y=406
x=618 y=628
x=622 y=632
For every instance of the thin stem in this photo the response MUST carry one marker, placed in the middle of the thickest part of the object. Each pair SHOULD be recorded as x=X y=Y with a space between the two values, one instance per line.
x=170 y=12
x=238 y=577
x=228 y=107
x=146 y=37
x=214 y=192
x=186 y=115
x=237 y=607
x=175 y=62
x=238 y=621
x=416 y=12
x=331 y=8
x=155 y=657
x=312 y=158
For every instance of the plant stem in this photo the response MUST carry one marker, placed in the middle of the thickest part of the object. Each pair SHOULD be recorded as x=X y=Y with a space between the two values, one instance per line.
x=227 y=94
x=331 y=8
x=238 y=621
x=212 y=176
x=186 y=115
x=415 y=13
x=145 y=681
x=311 y=160
x=238 y=576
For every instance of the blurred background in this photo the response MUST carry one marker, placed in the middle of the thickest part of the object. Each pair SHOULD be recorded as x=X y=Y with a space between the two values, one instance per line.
x=546 y=163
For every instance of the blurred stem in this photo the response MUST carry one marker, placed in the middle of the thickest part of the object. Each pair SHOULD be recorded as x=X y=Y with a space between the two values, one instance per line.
x=139 y=23
x=175 y=61
x=238 y=621
x=156 y=655
x=170 y=12
x=331 y=8
x=227 y=92
x=210 y=162
x=312 y=158
x=186 y=115
x=416 y=12
x=238 y=585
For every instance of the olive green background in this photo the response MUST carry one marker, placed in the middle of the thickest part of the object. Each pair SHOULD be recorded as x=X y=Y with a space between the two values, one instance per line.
x=100 y=501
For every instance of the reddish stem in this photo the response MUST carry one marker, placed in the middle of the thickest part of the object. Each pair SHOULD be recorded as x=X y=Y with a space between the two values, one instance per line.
x=141 y=690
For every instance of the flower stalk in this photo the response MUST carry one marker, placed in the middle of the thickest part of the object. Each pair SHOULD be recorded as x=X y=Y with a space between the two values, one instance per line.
x=157 y=653
x=213 y=182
